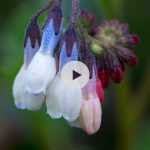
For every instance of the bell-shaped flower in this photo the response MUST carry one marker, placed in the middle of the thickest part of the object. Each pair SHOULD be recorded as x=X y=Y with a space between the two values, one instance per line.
x=91 y=110
x=64 y=100
x=42 y=68
x=24 y=100
x=40 y=73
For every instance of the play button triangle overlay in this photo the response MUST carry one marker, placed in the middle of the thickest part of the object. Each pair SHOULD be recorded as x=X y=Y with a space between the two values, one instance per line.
x=76 y=75
x=75 y=72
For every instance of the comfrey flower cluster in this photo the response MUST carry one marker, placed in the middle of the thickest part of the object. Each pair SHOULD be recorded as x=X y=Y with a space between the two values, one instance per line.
x=103 y=48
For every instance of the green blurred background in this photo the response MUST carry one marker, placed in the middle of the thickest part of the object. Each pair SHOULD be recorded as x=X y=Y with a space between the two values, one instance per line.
x=126 y=111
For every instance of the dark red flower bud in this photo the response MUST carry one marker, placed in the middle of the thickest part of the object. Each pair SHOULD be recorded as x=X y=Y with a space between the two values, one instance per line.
x=88 y=17
x=133 y=60
x=104 y=77
x=100 y=90
x=117 y=74
x=134 y=39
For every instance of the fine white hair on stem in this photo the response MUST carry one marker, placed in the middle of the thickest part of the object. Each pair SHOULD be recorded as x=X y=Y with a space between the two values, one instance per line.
x=75 y=10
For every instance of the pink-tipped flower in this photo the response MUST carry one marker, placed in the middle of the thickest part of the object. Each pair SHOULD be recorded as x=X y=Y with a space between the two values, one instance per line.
x=100 y=90
x=91 y=115
x=91 y=110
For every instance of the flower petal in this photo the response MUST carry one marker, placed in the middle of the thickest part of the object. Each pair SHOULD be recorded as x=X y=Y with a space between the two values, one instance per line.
x=63 y=100
x=50 y=38
x=90 y=116
x=53 y=99
x=18 y=89
x=34 y=102
x=29 y=52
x=23 y=99
x=40 y=73
x=72 y=100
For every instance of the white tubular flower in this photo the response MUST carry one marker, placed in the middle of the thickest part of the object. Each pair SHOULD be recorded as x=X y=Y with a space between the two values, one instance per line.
x=72 y=102
x=63 y=100
x=42 y=69
x=18 y=89
x=24 y=100
x=40 y=73
x=52 y=101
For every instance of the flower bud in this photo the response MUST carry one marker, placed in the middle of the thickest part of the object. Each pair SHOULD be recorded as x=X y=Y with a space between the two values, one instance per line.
x=132 y=60
x=96 y=48
x=52 y=29
x=32 y=40
x=69 y=49
x=117 y=75
x=99 y=90
x=91 y=114
x=104 y=77
x=87 y=19
x=91 y=111
x=116 y=43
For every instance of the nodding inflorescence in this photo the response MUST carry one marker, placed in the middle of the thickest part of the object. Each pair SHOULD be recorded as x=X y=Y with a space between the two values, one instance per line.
x=105 y=49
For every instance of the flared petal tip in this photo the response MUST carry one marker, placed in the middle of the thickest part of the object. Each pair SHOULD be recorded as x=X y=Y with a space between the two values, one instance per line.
x=56 y=115
x=20 y=105
x=72 y=118
x=34 y=102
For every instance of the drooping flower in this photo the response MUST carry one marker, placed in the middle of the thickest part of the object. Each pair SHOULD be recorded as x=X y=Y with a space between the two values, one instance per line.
x=64 y=100
x=113 y=46
x=104 y=49
x=24 y=100
x=91 y=109
x=42 y=69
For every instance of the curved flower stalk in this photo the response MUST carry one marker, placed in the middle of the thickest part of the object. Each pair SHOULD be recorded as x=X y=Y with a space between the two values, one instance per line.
x=42 y=69
x=24 y=100
x=62 y=99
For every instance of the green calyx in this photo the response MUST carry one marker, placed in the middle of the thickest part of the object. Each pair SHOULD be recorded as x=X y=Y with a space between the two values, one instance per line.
x=96 y=48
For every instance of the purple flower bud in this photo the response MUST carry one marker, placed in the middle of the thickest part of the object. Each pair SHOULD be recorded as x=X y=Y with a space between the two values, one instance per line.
x=52 y=29
x=69 y=50
x=32 y=41
x=33 y=32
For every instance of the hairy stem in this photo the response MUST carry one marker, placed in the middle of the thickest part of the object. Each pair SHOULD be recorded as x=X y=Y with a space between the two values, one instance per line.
x=75 y=10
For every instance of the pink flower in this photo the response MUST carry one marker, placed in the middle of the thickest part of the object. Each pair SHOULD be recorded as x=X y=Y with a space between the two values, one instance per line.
x=91 y=109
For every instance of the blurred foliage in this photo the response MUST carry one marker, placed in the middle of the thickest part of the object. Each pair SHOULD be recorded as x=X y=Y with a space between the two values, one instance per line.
x=126 y=115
